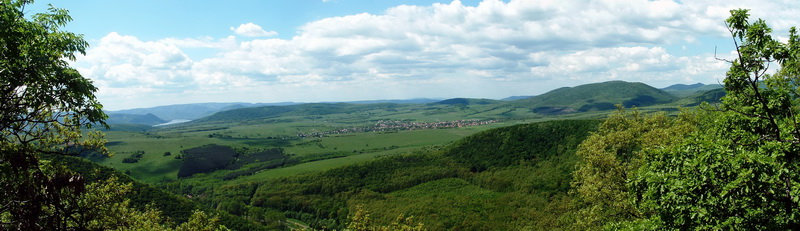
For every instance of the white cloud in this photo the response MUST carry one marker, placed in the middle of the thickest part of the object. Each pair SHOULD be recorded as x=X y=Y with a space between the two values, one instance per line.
x=494 y=49
x=252 y=30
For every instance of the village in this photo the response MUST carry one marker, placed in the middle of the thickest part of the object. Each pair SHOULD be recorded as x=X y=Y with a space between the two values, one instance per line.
x=396 y=125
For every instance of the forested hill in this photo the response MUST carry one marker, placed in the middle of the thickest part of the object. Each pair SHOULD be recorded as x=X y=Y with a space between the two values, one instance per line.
x=146 y=119
x=312 y=109
x=597 y=96
x=190 y=111
x=465 y=101
x=507 y=146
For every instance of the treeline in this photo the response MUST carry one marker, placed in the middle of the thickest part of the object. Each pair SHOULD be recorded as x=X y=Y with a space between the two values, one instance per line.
x=209 y=158
x=509 y=145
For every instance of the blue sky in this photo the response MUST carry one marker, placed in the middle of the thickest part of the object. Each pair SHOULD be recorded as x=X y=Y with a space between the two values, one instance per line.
x=149 y=53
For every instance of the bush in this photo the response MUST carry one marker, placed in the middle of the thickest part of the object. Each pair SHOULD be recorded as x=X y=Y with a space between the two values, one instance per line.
x=133 y=158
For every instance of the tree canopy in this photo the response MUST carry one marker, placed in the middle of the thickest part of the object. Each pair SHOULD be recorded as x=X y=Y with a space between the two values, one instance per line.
x=737 y=169
x=45 y=105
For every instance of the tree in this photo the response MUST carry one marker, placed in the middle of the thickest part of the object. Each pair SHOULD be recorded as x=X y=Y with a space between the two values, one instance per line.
x=45 y=103
x=360 y=221
x=610 y=156
x=200 y=221
x=740 y=169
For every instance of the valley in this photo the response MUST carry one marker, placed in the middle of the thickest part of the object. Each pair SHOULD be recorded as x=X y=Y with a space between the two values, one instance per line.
x=298 y=160
x=528 y=116
x=357 y=132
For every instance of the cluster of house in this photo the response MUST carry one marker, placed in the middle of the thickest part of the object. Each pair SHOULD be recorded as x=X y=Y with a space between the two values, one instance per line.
x=397 y=125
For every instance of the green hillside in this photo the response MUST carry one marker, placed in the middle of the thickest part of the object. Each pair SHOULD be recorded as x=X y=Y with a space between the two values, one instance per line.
x=709 y=96
x=596 y=96
x=304 y=110
x=683 y=90
x=440 y=187
x=146 y=119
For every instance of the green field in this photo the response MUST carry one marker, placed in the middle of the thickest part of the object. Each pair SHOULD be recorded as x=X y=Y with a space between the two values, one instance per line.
x=284 y=132
x=352 y=147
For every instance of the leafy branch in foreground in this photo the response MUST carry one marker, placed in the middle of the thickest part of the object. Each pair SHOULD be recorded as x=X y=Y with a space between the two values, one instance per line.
x=45 y=105
x=739 y=169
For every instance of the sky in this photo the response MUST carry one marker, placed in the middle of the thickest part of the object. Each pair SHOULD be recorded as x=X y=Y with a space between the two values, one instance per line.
x=149 y=53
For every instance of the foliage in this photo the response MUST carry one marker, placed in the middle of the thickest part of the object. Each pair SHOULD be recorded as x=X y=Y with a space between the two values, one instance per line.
x=510 y=145
x=200 y=221
x=206 y=159
x=134 y=157
x=610 y=156
x=45 y=104
x=144 y=197
x=360 y=221
x=599 y=96
x=740 y=169
x=711 y=96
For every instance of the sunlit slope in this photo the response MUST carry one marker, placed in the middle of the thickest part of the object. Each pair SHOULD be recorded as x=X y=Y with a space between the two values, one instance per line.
x=467 y=198
x=596 y=96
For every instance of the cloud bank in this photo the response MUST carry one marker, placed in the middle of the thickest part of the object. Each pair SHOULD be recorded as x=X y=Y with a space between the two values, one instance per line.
x=492 y=50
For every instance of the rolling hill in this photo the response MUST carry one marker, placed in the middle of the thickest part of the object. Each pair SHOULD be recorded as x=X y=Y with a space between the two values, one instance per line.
x=465 y=101
x=709 y=96
x=146 y=119
x=596 y=96
x=188 y=111
x=566 y=100
x=310 y=109
x=684 y=90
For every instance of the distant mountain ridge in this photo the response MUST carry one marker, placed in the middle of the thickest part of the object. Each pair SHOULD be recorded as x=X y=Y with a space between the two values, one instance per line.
x=309 y=109
x=517 y=97
x=681 y=87
x=199 y=110
x=466 y=101
x=146 y=119
x=190 y=111
x=684 y=90
x=565 y=100
x=397 y=101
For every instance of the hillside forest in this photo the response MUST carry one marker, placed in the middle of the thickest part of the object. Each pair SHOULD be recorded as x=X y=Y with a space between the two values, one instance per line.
x=603 y=156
